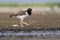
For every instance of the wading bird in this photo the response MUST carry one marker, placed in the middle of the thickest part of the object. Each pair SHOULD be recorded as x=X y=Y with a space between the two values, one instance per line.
x=23 y=14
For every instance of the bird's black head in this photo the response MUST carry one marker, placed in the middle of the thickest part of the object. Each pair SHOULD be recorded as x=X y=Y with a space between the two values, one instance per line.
x=29 y=11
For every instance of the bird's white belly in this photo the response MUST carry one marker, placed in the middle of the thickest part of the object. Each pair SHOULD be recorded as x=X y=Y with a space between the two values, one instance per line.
x=23 y=16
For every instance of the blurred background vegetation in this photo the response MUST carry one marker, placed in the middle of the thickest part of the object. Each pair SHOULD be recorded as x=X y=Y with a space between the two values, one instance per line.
x=29 y=5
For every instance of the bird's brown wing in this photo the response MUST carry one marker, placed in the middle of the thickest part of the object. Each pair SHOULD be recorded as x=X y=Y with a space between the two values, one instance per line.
x=21 y=13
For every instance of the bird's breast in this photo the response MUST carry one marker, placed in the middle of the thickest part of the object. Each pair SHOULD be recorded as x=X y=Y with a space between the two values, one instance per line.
x=22 y=16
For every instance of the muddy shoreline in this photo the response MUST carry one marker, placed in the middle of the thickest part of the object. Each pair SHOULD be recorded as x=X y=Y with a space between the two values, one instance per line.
x=26 y=29
x=30 y=32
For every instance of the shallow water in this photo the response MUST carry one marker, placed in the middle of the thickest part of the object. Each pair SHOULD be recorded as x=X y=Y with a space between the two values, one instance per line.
x=46 y=33
x=25 y=34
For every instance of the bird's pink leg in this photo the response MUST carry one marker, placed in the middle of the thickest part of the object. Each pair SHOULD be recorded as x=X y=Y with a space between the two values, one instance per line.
x=21 y=23
x=25 y=23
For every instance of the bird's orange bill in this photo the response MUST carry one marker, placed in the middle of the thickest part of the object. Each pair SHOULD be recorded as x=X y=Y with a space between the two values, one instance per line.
x=34 y=12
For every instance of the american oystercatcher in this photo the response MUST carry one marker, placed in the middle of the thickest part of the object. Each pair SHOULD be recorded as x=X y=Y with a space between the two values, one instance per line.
x=22 y=15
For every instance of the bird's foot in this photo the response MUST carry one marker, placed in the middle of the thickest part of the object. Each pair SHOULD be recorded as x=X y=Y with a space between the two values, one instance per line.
x=26 y=23
x=22 y=26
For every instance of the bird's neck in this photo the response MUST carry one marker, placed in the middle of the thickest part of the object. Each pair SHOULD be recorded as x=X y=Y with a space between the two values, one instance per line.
x=29 y=13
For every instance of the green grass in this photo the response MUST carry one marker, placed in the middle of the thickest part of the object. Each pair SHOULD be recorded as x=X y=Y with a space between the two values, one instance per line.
x=28 y=5
x=8 y=5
